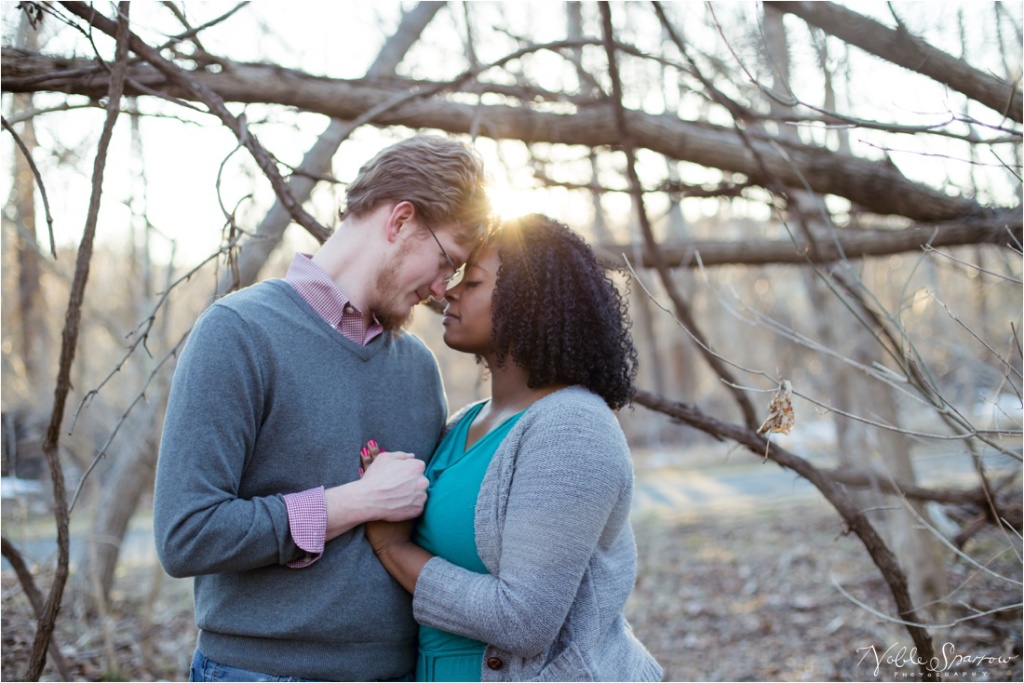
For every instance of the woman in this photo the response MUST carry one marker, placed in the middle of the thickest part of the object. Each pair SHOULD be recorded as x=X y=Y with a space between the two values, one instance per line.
x=524 y=556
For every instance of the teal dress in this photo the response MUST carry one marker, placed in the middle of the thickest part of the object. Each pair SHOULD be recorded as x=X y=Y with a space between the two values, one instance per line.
x=446 y=529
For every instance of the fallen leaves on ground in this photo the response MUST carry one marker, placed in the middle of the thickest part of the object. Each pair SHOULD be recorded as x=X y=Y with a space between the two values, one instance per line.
x=749 y=597
x=724 y=596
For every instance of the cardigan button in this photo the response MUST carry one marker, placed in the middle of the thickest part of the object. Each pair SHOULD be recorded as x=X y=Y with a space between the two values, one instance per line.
x=494 y=663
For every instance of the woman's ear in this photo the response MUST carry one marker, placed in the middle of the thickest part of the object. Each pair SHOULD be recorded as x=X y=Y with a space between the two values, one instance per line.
x=401 y=214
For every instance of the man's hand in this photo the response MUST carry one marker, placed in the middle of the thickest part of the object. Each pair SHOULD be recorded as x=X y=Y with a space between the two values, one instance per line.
x=394 y=489
x=396 y=486
x=391 y=540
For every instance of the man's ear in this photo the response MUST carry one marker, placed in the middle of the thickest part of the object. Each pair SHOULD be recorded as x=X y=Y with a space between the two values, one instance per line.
x=398 y=220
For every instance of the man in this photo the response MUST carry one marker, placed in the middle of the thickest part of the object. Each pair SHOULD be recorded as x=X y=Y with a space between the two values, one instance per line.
x=258 y=493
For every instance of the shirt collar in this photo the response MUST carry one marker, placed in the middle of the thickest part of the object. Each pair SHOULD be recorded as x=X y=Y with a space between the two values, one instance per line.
x=327 y=299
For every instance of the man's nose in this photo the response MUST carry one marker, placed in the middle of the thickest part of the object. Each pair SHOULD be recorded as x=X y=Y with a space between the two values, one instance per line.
x=438 y=288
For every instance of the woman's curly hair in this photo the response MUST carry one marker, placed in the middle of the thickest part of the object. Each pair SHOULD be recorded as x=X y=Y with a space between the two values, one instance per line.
x=556 y=312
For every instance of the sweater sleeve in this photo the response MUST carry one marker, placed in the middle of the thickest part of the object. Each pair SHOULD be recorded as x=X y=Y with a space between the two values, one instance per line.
x=572 y=467
x=213 y=415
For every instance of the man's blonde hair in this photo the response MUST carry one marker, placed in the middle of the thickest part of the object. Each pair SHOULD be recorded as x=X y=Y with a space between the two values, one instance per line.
x=443 y=178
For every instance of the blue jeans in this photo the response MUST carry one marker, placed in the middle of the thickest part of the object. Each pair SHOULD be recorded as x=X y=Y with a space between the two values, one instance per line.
x=204 y=669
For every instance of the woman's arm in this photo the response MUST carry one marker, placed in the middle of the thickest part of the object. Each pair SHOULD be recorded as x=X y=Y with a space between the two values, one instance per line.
x=400 y=556
x=571 y=475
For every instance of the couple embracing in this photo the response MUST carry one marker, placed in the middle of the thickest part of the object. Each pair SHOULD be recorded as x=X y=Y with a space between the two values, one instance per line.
x=305 y=433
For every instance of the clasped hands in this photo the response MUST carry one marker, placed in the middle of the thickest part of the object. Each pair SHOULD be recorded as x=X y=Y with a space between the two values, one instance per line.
x=396 y=528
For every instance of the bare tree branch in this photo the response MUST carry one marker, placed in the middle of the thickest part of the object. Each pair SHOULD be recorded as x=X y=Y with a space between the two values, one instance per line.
x=39 y=182
x=35 y=598
x=871 y=478
x=681 y=305
x=900 y=47
x=255 y=250
x=855 y=518
x=140 y=334
x=849 y=243
x=195 y=88
x=876 y=186
x=67 y=356
x=193 y=32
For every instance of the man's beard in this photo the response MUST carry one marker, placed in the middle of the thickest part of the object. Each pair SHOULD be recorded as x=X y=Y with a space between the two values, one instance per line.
x=390 y=312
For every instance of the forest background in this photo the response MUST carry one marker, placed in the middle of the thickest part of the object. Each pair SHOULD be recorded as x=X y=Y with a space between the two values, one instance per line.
x=816 y=208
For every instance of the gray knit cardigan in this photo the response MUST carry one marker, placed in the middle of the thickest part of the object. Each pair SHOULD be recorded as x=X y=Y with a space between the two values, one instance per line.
x=552 y=528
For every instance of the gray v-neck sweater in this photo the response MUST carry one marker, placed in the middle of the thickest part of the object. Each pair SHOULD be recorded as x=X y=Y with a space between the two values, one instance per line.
x=269 y=399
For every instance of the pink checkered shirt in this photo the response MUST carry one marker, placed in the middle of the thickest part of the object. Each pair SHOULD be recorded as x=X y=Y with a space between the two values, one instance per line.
x=307 y=510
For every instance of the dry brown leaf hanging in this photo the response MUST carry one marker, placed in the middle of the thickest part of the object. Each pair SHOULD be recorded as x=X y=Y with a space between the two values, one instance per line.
x=780 y=413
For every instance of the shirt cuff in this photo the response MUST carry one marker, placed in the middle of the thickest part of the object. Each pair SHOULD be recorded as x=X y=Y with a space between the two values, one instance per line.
x=307 y=520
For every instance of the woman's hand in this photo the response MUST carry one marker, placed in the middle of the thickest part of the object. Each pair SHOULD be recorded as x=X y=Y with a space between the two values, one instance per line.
x=384 y=535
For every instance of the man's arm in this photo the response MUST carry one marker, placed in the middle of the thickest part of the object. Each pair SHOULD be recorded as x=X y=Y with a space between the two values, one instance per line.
x=396 y=491
x=211 y=424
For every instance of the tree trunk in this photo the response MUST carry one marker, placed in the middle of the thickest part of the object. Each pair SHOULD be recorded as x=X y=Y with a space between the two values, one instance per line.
x=884 y=454
x=33 y=339
x=133 y=467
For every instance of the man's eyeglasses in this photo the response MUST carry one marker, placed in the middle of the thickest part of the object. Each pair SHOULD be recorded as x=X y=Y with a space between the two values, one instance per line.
x=456 y=277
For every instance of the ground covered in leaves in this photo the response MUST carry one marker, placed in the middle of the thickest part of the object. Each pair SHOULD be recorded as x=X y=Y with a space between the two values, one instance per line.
x=754 y=596
x=740 y=596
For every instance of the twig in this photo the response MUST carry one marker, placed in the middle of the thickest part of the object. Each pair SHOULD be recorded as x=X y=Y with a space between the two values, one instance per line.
x=124 y=417
x=957 y=551
x=191 y=33
x=948 y=597
x=39 y=182
x=917 y=624
x=228 y=215
x=971 y=332
x=697 y=340
x=925 y=384
x=854 y=517
x=682 y=307
x=1014 y=280
x=966 y=432
x=922 y=435
x=216 y=104
x=146 y=326
x=32 y=113
x=69 y=346
x=891 y=486
x=35 y=598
